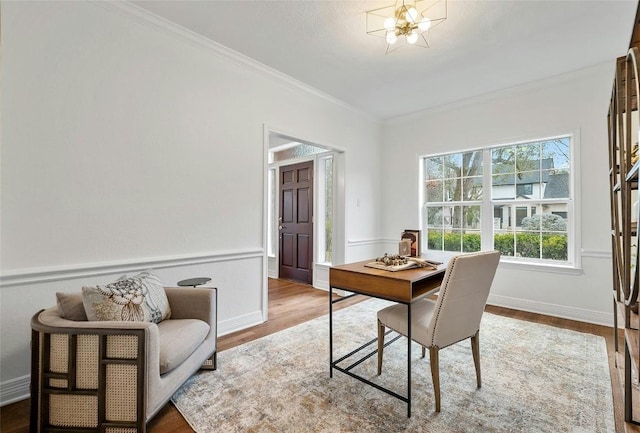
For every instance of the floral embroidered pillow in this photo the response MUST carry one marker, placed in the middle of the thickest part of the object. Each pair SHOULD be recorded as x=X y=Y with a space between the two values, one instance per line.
x=139 y=298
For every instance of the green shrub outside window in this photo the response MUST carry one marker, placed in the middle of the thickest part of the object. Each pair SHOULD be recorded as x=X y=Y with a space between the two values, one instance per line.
x=552 y=247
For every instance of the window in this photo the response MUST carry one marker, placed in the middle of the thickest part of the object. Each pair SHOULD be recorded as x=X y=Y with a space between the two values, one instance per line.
x=453 y=198
x=272 y=235
x=525 y=190
x=325 y=209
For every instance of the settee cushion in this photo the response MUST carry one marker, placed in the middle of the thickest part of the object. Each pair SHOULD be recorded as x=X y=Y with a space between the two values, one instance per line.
x=70 y=306
x=138 y=298
x=178 y=339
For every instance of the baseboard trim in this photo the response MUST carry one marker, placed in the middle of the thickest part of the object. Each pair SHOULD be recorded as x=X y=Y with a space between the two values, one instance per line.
x=42 y=275
x=561 y=311
x=239 y=323
x=321 y=284
x=14 y=390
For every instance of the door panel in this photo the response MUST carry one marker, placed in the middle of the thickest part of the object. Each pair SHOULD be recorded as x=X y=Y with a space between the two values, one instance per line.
x=296 y=222
x=286 y=215
x=303 y=205
x=286 y=256
x=303 y=252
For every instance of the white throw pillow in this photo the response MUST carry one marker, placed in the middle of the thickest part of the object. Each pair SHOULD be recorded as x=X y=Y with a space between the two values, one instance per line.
x=139 y=298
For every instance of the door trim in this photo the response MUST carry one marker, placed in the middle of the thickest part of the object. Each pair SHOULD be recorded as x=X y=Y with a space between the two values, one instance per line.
x=339 y=218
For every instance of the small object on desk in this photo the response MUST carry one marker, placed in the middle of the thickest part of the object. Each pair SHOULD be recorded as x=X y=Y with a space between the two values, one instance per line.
x=414 y=236
x=194 y=282
x=395 y=263
x=393 y=260
x=404 y=247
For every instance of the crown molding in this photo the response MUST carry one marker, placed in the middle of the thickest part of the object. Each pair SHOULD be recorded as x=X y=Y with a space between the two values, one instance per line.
x=565 y=77
x=149 y=19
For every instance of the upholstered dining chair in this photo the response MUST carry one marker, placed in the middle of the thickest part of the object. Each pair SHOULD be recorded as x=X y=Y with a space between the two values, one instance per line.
x=454 y=317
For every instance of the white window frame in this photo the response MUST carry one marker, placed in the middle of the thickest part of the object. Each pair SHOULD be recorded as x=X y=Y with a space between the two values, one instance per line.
x=573 y=263
x=272 y=209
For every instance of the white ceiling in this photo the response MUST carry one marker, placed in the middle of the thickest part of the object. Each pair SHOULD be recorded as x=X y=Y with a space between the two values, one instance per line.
x=482 y=47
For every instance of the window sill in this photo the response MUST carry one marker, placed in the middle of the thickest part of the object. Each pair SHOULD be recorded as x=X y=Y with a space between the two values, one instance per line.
x=540 y=267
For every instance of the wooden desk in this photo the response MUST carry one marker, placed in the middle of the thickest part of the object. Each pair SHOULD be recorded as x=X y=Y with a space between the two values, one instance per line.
x=401 y=286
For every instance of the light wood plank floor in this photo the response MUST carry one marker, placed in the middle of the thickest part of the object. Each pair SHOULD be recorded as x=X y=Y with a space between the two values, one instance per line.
x=293 y=303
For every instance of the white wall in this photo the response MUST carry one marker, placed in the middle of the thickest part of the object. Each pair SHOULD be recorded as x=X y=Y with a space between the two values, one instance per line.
x=573 y=103
x=128 y=143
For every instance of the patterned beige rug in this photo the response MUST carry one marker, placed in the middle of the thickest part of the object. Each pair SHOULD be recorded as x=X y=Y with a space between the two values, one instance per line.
x=535 y=378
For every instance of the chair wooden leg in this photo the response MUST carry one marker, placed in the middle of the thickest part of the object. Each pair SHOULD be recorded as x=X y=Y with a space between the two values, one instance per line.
x=380 y=345
x=475 y=349
x=435 y=374
x=424 y=351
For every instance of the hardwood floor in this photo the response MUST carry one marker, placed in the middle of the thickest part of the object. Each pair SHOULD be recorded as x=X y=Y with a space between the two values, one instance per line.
x=292 y=303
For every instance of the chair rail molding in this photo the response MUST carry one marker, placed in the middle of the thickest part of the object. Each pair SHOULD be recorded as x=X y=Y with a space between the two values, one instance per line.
x=364 y=242
x=596 y=254
x=42 y=275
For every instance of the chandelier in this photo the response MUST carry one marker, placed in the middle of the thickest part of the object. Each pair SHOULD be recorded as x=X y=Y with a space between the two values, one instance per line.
x=406 y=22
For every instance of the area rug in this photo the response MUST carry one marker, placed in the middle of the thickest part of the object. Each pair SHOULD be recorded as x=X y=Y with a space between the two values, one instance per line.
x=535 y=378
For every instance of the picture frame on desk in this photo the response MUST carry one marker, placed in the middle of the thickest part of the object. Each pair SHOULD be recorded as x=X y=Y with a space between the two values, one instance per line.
x=414 y=235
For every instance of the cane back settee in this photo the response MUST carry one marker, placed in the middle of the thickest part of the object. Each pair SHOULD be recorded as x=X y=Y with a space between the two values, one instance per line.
x=114 y=376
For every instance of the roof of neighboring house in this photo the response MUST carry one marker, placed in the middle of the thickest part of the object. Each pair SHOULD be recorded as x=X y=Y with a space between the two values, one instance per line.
x=557 y=186
x=527 y=176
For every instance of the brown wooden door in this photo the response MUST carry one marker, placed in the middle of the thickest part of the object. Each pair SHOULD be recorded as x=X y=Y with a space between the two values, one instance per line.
x=296 y=222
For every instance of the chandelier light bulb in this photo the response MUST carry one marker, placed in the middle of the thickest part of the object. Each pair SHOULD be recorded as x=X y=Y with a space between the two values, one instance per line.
x=391 y=38
x=424 y=24
x=411 y=15
x=390 y=24
x=412 y=37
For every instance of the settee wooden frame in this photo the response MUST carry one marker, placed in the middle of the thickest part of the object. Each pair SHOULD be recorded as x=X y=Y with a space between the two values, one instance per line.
x=41 y=390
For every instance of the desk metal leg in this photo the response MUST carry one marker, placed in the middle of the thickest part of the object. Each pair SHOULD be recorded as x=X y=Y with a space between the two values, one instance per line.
x=330 y=331
x=347 y=370
x=409 y=360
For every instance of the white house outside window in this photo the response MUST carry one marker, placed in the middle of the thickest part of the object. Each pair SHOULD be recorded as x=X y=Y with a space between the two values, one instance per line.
x=516 y=199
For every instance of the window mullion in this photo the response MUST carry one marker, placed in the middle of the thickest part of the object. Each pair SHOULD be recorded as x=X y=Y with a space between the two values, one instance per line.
x=487 y=206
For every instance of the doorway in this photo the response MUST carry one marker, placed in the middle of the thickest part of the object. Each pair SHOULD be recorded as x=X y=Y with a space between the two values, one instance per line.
x=327 y=203
x=295 y=222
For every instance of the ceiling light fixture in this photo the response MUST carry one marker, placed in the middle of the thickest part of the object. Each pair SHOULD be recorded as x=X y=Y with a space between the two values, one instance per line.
x=406 y=22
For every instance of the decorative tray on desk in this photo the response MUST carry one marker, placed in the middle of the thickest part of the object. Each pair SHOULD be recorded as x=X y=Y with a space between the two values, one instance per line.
x=400 y=263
